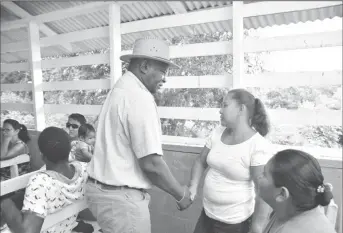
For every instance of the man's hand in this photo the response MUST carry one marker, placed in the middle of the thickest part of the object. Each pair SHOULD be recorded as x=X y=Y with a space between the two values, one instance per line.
x=186 y=200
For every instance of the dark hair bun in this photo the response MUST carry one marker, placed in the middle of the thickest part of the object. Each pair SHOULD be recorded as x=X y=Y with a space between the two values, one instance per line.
x=324 y=198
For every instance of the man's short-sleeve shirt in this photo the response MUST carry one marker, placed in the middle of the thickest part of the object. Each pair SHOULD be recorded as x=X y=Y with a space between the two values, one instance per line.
x=128 y=129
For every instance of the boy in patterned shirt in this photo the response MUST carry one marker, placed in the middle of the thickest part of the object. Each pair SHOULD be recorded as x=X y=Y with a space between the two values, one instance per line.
x=48 y=191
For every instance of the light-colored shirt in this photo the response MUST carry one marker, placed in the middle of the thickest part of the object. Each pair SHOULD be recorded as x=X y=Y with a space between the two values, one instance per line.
x=229 y=194
x=128 y=129
x=48 y=192
x=311 y=221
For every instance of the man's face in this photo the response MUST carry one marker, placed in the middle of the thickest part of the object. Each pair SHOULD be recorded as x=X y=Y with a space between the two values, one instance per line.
x=155 y=75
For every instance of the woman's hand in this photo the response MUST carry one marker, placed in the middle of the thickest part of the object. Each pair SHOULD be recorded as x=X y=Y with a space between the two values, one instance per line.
x=6 y=137
x=193 y=190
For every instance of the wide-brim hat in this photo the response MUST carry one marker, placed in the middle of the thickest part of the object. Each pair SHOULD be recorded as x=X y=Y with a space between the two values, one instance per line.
x=150 y=48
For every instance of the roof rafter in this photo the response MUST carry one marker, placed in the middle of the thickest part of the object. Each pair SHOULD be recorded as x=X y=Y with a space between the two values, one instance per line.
x=18 y=11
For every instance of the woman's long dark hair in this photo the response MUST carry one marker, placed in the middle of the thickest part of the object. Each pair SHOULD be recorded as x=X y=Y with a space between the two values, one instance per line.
x=23 y=133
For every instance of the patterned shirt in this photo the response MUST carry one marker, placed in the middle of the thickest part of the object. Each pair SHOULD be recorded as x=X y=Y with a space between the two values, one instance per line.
x=48 y=192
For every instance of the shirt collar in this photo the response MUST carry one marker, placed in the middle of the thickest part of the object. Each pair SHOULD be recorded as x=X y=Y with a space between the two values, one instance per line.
x=138 y=82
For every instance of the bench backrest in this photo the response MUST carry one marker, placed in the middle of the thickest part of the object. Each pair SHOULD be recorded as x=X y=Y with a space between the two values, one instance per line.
x=20 y=182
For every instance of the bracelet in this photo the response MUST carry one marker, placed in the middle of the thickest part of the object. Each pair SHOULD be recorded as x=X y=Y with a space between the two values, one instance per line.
x=184 y=194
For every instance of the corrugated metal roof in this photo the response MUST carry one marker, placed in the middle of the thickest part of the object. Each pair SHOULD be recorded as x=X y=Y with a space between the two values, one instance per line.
x=137 y=11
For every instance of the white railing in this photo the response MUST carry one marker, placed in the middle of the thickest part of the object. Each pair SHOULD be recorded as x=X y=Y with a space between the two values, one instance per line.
x=251 y=45
x=13 y=164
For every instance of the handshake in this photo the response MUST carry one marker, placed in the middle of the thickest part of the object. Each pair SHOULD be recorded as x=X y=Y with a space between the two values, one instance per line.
x=188 y=197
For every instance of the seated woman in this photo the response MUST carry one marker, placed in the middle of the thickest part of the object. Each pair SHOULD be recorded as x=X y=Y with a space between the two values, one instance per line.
x=75 y=120
x=48 y=191
x=14 y=139
x=82 y=149
x=292 y=184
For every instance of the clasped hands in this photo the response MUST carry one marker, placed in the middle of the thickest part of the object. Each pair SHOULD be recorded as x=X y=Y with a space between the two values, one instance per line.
x=188 y=197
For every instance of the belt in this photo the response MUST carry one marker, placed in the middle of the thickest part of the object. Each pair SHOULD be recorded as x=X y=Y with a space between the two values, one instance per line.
x=112 y=187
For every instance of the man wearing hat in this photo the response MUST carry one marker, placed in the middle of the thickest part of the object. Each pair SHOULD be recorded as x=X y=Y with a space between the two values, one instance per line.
x=128 y=152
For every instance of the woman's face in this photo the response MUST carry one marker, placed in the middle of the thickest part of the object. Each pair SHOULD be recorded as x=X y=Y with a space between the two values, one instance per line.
x=73 y=127
x=266 y=188
x=229 y=111
x=9 y=131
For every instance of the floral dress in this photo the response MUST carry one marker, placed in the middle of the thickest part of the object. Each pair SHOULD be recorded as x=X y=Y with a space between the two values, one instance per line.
x=48 y=192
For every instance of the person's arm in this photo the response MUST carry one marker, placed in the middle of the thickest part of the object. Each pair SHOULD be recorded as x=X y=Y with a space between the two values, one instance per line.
x=160 y=175
x=4 y=146
x=18 y=221
x=145 y=140
x=200 y=165
x=262 y=210
x=83 y=155
x=6 y=153
x=34 y=211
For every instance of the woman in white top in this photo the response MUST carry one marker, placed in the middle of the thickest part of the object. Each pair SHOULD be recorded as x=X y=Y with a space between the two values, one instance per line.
x=235 y=153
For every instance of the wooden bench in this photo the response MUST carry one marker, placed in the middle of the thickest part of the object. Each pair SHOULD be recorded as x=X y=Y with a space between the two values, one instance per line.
x=20 y=182
x=14 y=162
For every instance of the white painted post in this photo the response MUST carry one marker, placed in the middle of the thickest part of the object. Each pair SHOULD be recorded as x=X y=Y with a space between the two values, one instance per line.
x=35 y=62
x=115 y=42
x=237 y=43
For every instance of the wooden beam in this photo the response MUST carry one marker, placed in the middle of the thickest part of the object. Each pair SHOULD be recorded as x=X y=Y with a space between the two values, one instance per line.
x=24 y=158
x=269 y=79
x=278 y=116
x=237 y=43
x=70 y=108
x=250 y=45
x=115 y=43
x=56 y=15
x=178 y=7
x=17 y=107
x=24 y=14
x=35 y=62
x=16 y=87
x=77 y=85
x=293 y=79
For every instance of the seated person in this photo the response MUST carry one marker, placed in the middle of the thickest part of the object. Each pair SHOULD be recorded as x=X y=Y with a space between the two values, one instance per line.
x=82 y=149
x=292 y=184
x=48 y=191
x=14 y=139
x=75 y=120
